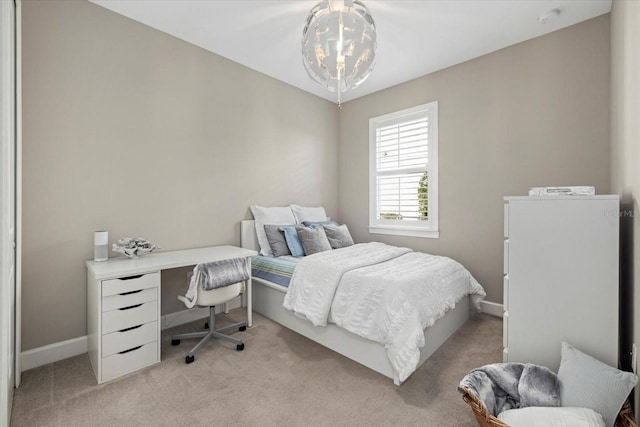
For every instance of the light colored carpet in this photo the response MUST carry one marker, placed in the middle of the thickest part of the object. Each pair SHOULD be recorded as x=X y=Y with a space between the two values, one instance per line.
x=280 y=379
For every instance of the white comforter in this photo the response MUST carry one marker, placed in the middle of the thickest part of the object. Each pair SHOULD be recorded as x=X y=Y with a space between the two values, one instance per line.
x=383 y=293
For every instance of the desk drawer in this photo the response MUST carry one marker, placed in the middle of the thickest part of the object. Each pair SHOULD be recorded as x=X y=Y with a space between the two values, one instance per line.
x=128 y=284
x=116 y=320
x=122 y=363
x=118 y=341
x=114 y=302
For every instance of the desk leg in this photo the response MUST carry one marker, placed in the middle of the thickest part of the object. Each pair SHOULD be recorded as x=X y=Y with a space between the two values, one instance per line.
x=249 y=304
x=249 y=298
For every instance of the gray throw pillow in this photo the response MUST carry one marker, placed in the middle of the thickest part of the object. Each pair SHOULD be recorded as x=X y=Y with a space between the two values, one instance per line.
x=338 y=236
x=313 y=240
x=276 y=240
x=315 y=224
x=586 y=382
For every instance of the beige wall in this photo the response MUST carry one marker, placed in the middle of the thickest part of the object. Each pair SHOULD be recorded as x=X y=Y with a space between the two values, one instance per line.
x=133 y=131
x=625 y=161
x=534 y=114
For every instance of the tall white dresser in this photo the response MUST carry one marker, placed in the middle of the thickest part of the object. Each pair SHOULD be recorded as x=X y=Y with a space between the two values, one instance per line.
x=560 y=277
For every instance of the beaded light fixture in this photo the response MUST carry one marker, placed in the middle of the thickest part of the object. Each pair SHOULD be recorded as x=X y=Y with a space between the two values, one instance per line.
x=339 y=44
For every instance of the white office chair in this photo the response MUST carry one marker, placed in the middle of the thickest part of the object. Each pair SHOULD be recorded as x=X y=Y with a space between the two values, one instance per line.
x=212 y=298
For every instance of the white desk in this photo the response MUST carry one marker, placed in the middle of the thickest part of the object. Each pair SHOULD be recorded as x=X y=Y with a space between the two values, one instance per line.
x=123 y=306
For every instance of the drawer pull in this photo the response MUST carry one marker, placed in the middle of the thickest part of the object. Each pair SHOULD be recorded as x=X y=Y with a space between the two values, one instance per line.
x=131 y=277
x=131 y=328
x=132 y=292
x=131 y=349
x=130 y=307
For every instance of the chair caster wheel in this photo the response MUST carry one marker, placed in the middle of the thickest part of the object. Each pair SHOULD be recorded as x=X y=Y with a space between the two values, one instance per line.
x=240 y=347
x=242 y=328
x=206 y=325
x=175 y=342
x=189 y=359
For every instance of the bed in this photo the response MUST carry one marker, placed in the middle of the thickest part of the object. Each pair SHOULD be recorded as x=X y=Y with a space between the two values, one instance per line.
x=269 y=293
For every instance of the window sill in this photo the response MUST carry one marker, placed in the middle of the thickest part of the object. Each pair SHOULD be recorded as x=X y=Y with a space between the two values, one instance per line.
x=404 y=231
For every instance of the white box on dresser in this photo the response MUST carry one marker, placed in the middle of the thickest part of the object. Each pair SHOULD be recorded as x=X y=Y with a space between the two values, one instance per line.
x=561 y=277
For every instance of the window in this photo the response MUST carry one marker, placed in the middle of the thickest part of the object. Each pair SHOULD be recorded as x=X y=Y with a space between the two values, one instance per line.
x=403 y=169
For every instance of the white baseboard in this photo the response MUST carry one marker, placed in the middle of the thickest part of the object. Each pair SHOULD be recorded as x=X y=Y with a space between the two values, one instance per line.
x=53 y=352
x=491 y=308
x=181 y=317
x=64 y=349
x=186 y=316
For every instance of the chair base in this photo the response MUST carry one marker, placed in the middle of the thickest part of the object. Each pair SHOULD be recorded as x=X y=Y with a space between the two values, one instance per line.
x=211 y=333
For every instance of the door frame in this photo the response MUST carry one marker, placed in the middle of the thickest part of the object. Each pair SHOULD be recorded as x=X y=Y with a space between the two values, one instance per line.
x=8 y=226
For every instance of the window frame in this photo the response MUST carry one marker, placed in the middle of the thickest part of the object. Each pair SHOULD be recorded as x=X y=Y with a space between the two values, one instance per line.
x=424 y=229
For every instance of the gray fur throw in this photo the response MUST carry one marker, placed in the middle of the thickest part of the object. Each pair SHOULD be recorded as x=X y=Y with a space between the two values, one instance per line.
x=503 y=386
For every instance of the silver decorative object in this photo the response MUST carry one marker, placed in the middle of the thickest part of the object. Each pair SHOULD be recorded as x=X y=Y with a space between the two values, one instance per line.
x=134 y=247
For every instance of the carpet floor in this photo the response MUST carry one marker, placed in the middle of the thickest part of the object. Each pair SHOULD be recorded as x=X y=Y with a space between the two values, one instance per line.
x=280 y=379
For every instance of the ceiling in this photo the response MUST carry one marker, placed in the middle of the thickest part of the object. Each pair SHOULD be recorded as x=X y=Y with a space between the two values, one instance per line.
x=415 y=37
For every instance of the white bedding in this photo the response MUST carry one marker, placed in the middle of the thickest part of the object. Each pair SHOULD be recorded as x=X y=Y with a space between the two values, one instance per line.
x=380 y=292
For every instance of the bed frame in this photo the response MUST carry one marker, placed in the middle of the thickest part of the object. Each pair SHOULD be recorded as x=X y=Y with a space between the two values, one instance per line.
x=268 y=297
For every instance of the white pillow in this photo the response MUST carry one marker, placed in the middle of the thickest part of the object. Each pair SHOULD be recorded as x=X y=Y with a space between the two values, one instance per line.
x=587 y=382
x=542 y=416
x=312 y=214
x=270 y=216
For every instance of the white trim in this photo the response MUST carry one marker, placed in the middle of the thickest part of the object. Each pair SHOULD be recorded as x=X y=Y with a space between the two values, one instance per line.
x=425 y=229
x=18 y=309
x=404 y=231
x=181 y=317
x=433 y=202
x=53 y=352
x=7 y=208
x=76 y=346
x=492 y=308
x=187 y=316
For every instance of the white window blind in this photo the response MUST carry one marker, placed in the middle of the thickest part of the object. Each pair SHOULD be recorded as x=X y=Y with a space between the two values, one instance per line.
x=402 y=152
x=403 y=170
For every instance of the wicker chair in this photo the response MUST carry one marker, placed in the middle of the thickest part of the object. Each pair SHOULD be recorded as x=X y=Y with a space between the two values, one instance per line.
x=485 y=419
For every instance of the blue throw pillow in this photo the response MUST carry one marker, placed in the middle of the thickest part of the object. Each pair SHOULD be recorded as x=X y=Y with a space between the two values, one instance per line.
x=293 y=241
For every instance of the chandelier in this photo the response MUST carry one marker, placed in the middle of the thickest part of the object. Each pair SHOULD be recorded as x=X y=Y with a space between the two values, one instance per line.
x=339 y=44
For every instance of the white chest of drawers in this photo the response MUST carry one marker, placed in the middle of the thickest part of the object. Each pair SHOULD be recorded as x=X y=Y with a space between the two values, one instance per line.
x=123 y=323
x=561 y=277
